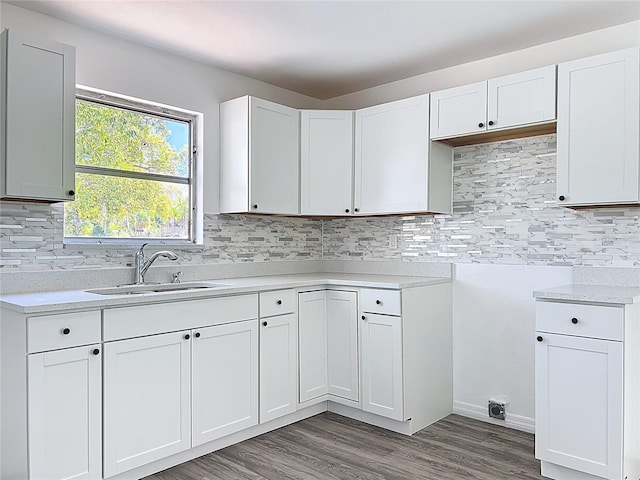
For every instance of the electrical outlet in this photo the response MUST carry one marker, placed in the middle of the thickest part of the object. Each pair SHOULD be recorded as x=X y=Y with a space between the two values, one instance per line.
x=497 y=410
x=393 y=241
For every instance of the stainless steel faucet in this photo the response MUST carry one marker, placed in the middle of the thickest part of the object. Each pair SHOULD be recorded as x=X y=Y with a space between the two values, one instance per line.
x=142 y=263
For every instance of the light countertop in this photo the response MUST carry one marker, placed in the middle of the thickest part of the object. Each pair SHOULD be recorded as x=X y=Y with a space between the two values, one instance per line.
x=591 y=293
x=60 y=301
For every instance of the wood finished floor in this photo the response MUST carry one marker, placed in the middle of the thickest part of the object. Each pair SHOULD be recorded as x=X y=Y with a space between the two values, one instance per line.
x=328 y=447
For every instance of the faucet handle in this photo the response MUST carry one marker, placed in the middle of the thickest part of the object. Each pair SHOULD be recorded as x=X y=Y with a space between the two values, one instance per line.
x=175 y=277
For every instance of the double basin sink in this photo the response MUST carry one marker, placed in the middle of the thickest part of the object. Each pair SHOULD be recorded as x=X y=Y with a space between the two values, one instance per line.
x=147 y=288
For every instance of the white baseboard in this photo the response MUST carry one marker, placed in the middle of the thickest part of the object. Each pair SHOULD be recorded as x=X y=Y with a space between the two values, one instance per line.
x=479 y=412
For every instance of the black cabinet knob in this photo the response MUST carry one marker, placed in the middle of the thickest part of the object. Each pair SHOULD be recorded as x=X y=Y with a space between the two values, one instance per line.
x=481 y=125
x=574 y=320
x=96 y=351
x=561 y=198
x=539 y=338
x=356 y=209
x=279 y=302
x=255 y=205
x=346 y=210
x=378 y=302
x=197 y=334
x=187 y=336
x=490 y=122
x=66 y=331
x=264 y=324
x=363 y=317
x=71 y=193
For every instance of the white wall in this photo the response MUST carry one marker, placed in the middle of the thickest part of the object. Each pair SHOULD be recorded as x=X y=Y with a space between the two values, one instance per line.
x=128 y=68
x=593 y=43
x=493 y=336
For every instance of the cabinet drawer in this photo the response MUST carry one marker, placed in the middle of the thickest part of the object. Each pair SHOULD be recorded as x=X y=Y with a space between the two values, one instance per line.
x=595 y=321
x=52 y=332
x=277 y=302
x=375 y=300
x=142 y=320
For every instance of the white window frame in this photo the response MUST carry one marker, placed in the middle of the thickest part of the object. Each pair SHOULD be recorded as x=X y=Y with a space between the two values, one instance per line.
x=111 y=99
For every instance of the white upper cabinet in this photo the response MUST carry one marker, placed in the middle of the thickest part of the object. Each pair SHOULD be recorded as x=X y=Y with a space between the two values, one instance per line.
x=37 y=125
x=522 y=98
x=394 y=171
x=326 y=162
x=258 y=157
x=459 y=111
x=599 y=130
x=516 y=100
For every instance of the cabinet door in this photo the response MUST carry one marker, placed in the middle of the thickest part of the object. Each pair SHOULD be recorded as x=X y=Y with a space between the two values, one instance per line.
x=391 y=157
x=599 y=129
x=278 y=367
x=459 y=111
x=326 y=162
x=342 y=341
x=39 y=103
x=579 y=404
x=224 y=379
x=147 y=414
x=65 y=414
x=382 y=365
x=522 y=98
x=273 y=173
x=312 y=342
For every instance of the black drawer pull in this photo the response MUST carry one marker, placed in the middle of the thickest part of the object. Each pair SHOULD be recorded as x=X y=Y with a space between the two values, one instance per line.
x=66 y=331
x=574 y=320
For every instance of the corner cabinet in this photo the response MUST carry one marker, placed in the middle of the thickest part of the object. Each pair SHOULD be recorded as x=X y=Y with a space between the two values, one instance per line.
x=328 y=345
x=259 y=157
x=599 y=130
x=397 y=169
x=588 y=390
x=515 y=100
x=38 y=102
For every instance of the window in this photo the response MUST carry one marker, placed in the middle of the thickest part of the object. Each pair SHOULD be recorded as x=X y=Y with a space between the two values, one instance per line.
x=134 y=171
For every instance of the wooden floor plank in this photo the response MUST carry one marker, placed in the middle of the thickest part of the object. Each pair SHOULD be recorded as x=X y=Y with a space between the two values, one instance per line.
x=331 y=447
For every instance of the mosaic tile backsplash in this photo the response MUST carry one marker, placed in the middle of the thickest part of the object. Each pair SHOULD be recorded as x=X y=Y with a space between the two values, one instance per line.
x=31 y=239
x=504 y=212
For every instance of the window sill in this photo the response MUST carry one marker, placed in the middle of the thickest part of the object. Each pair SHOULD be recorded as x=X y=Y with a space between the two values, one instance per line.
x=128 y=244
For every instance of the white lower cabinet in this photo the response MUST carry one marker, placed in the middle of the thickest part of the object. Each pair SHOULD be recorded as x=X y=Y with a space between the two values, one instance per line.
x=278 y=366
x=312 y=342
x=587 y=392
x=342 y=345
x=328 y=345
x=224 y=380
x=147 y=400
x=65 y=414
x=382 y=365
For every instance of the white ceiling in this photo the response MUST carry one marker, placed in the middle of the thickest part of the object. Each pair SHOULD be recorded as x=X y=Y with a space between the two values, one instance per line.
x=328 y=48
